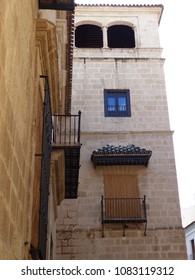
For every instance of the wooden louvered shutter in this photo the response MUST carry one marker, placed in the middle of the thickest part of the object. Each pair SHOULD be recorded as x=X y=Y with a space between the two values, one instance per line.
x=121 y=192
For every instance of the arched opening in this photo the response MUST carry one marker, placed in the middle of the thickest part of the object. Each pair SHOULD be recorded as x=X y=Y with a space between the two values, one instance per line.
x=88 y=36
x=121 y=36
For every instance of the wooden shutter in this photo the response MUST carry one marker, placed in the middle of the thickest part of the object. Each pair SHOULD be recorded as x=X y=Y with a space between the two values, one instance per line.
x=122 y=196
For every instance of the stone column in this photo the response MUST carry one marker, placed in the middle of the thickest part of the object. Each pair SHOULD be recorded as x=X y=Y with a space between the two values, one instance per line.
x=105 y=36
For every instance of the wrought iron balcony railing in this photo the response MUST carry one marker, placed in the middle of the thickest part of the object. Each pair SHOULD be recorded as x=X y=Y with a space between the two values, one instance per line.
x=40 y=251
x=123 y=210
x=66 y=137
x=66 y=130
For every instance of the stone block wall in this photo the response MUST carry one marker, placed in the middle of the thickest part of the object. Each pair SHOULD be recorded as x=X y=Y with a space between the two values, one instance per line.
x=82 y=245
x=28 y=49
x=148 y=127
x=139 y=70
x=17 y=99
x=79 y=229
x=143 y=77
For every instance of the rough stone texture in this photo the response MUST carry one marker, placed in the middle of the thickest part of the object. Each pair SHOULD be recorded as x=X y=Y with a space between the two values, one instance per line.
x=17 y=98
x=159 y=244
x=79 y=221
x=141 y=71
x=144 y=78
x=28 y=49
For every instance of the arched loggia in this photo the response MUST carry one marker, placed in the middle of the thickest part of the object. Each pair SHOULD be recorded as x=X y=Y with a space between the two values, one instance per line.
x=121 y=36
x=88 y=36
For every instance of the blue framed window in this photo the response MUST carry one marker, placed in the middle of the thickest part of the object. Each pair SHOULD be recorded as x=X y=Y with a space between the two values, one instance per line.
x=117 y=103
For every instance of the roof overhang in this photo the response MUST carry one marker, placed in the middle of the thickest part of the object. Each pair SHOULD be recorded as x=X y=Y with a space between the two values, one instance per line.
x=67 y=5
x=120 y=155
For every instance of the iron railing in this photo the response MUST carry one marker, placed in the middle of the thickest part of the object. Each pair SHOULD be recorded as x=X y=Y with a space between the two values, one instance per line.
x=40 y=251
x=66 y=136
x=66 y=129
x=123 y=210
x=45 y=169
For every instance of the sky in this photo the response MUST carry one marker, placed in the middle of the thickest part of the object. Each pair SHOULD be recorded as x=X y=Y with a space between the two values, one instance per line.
x=176 y=37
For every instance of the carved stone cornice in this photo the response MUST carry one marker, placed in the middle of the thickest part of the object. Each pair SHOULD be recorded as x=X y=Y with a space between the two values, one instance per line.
x=46 y=43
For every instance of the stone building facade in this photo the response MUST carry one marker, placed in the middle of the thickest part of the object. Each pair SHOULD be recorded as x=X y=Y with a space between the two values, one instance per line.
x=127 y=149
x=16 y=118
x=32 y=42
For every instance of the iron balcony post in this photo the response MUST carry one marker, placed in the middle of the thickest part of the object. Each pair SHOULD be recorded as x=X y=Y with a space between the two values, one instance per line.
x=102 y=215
x=145 y=215
x=144 y=207
x=79 y=126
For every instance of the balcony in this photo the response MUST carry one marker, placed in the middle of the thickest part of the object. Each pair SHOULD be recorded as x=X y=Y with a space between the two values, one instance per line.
x=66 y=130
x=123 y=210
x=66 y=137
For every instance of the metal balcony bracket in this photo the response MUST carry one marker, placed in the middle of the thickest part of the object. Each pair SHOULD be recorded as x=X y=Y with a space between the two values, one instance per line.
x=145 y=228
